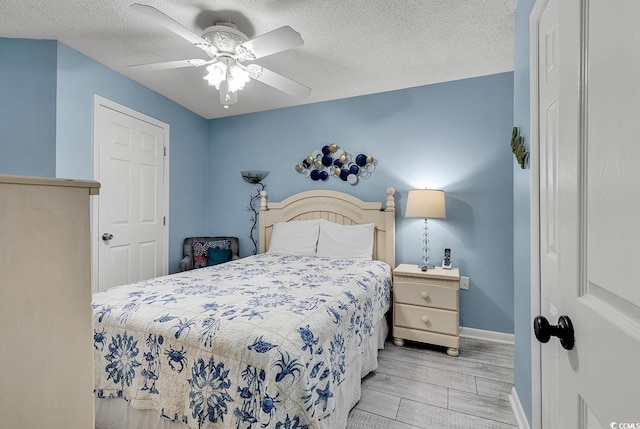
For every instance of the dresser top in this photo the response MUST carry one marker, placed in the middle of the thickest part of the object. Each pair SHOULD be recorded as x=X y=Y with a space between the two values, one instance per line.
x=435 y=272
x=93 y=186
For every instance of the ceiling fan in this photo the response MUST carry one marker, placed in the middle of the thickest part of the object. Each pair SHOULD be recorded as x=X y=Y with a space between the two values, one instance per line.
x=228 y=48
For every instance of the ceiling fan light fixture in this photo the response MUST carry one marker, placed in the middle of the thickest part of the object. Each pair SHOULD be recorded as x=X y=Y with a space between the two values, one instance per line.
x=217 y=72
x=237 y=78
x=228 y=48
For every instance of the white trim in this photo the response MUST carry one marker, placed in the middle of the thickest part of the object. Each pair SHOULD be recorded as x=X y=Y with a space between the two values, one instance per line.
x=534 y=164
x=95 y=241
x=481 y=334
x=518 y=411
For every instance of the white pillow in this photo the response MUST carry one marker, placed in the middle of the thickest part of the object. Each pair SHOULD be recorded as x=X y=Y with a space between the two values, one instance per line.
x=297 y=238
x=345 y=241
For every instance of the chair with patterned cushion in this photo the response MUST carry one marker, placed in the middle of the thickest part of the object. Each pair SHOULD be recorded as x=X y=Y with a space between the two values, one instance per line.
x=205 y=251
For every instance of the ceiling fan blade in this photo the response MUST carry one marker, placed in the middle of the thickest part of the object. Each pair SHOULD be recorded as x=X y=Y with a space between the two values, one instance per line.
x=278 y=81
x=227 y=97
x=277 y=40
x=172 y=25
x=169 y=65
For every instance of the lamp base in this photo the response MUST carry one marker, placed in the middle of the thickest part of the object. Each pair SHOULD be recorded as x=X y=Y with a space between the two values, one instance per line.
x=426 y=267
x=425 y=250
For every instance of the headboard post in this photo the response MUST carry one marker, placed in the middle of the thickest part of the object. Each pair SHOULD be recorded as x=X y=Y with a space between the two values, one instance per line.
x=262 y=222
x=390 y=212
x=391 y=203
x=263 y=200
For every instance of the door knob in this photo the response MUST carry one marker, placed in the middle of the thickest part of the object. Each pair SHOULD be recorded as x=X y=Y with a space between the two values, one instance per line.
x=563 y=330
x=106 y=236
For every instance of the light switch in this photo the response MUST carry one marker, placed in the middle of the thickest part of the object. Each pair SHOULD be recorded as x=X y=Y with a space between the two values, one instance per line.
x=464 y=282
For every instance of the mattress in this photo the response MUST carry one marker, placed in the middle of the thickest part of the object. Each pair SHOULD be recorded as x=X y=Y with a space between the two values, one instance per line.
x=268 y=341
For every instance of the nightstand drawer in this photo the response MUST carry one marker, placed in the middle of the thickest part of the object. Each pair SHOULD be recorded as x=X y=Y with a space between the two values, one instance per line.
x=426 y=319
x=426 y=295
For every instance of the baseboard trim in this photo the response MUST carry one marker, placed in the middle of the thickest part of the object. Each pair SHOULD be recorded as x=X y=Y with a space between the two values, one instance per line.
x=518 y=412
x=486 y=335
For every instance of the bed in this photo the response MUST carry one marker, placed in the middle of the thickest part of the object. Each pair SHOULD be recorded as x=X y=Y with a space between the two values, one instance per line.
x=276 y=340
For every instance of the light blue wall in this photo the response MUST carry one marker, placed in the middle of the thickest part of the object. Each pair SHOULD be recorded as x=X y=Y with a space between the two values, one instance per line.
x=79 y=78
x=27 y=107
x=454 y=136
x=521 y=214
x=61 y=144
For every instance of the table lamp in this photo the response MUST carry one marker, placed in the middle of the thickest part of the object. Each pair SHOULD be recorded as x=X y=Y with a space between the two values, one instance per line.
x=425 y=203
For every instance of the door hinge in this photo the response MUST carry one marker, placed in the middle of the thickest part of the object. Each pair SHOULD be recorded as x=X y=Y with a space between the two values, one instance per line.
x=164 y=220
x=165 y=151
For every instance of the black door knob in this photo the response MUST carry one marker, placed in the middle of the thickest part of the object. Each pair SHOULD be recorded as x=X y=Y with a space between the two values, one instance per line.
x=563 y=330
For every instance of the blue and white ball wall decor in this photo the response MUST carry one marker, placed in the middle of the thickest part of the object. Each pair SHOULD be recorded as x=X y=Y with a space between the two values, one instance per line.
x=331 y=161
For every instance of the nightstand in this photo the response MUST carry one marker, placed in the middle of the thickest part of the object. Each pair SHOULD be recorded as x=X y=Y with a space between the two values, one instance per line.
x=426 y=306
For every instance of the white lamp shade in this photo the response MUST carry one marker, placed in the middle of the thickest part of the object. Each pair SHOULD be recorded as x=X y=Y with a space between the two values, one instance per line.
x=425 y=203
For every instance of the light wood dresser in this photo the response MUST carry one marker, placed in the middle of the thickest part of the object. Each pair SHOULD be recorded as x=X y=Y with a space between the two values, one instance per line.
x=46 y=328
x=426 y=306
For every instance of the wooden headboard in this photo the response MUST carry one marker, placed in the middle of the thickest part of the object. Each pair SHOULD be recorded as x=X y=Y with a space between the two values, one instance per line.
x=336 y=207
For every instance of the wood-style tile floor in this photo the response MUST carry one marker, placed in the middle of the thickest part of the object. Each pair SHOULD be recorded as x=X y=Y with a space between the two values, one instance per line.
x=420 y=386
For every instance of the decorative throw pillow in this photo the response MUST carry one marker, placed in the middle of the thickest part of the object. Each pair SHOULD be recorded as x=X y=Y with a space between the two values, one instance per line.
x=218 y=251
x=200 y=253
x=202 y=249
x=217 y=256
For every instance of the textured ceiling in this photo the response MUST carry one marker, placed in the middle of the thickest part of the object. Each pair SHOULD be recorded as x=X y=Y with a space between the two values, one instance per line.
x=351 y=47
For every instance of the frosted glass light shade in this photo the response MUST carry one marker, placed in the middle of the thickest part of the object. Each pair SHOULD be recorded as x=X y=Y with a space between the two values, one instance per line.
x=217 y=73
x=254 y=176
x=425 y=203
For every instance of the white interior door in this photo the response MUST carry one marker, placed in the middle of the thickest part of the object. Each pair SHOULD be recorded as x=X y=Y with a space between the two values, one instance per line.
x=585 y=71
x=132 y=233
x=549 y=131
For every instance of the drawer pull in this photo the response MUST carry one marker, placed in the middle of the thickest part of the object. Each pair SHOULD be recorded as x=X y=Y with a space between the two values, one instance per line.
x=425 y=319
x=424 y=295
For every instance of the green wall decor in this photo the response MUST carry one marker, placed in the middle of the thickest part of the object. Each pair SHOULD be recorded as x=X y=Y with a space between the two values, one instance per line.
x=518 y=148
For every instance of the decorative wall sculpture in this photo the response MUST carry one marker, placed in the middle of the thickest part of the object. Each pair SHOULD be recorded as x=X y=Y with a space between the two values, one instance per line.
x=331 y=161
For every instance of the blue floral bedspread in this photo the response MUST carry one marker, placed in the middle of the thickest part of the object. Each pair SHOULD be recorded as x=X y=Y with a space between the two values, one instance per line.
x=260 y=342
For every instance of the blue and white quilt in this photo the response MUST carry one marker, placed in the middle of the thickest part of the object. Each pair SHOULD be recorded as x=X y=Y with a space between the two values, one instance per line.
x=261 y=342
